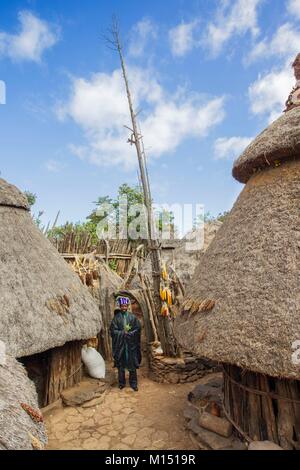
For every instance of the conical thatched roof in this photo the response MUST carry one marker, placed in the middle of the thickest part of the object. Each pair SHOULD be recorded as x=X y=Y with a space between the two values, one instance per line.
x=43 y=303
x=18 y=430
x=11 y=196
x=248 y=280
x=280 y=141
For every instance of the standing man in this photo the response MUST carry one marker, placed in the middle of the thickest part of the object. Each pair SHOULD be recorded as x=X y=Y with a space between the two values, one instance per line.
x=125 y=330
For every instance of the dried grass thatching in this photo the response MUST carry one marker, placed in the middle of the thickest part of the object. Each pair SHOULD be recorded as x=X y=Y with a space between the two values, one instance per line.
x=11 y=196
x=18 y=430
x=185 y=261
x=251 y=272
x=280 y=141
x=43 y=303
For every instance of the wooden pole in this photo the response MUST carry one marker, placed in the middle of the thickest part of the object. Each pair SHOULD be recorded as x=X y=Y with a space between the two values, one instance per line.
x=167 y=339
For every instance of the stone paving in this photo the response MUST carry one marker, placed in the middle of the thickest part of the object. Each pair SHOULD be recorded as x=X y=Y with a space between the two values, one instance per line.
x=151 y=419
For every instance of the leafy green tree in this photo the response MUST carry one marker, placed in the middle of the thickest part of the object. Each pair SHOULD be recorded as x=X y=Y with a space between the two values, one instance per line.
x=165 y=222
x=134 y=196
x=31 y=198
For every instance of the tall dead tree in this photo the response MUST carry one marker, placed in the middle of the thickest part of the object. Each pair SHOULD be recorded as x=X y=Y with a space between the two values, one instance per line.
x=167 y=340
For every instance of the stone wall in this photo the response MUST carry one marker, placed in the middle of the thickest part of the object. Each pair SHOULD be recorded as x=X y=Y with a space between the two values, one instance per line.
x=177 y=370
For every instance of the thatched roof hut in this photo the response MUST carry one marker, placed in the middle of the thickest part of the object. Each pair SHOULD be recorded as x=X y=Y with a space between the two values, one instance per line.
x=18 y=429
x=243 y=306
x=43 y=304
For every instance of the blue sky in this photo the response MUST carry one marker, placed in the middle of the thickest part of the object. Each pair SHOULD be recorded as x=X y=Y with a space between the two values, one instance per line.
x=207 y=76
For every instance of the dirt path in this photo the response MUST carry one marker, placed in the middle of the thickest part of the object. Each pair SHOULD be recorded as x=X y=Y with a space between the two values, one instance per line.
x=151 y=418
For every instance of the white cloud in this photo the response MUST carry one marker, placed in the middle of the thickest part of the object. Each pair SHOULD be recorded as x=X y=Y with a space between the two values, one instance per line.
x=230 y=147
x=54 y=166
x=232 y=18
x=284 y=44
x=293 y=7
x=182 y=39
x=270 y=91
x=34 y=37
x=143 y=32
x=100 y=108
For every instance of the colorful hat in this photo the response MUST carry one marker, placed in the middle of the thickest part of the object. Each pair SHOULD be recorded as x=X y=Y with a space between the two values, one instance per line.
x=123 y=301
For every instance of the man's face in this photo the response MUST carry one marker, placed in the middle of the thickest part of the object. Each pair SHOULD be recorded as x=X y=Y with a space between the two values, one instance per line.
x=124 y=307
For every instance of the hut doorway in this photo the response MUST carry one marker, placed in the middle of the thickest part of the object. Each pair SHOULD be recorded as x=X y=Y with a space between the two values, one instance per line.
x=54 y=370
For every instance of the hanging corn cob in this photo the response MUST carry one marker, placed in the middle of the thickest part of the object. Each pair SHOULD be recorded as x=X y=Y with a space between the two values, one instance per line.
x=165 y=292
x=164 y=272
x=169 y=296
x=165 y=310
x=162 y=293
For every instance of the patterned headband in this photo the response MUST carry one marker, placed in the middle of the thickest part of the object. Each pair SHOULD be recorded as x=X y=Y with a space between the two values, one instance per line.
x=123 y=301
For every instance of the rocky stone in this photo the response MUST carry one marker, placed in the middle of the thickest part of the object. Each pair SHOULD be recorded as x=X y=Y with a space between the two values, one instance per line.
x=172 y=378
x=218 y=425
x=127 y=411
x=130 y=430
x=159 y=444
x=87 y=412
x=206 y=392
x=106 y=412
x=191 y=366
x=122 y=447
x=69 y=436
x=120 y=418
x=264 y=445
x=86 y=391
x=210 y=439
x=56 y=418
x=89 y=423
x=95 y=401
x=187 y=369
x=102 y=421
x=190 y=411
x=61 y=426
x=90 y=444
x=142 y=443
x=116 y=406
x=146 y=432
x=104 y=430
x=161 y=436
x=129 y=440
x=73 y=426
x=171 y=360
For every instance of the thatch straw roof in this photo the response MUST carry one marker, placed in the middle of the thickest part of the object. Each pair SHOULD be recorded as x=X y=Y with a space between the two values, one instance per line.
x=43 y=303
x=251 y=272
x=17 y=427
x=11 y=196
x=185 y=261
x=280 y=141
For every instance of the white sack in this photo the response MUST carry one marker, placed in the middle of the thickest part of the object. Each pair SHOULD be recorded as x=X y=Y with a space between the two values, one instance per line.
x=94 y=362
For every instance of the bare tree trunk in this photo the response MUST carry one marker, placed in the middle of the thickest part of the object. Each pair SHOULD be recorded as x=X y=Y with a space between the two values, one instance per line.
x=166 y=336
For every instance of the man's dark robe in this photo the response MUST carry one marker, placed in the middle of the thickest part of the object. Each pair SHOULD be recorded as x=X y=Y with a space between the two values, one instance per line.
x=120 y=340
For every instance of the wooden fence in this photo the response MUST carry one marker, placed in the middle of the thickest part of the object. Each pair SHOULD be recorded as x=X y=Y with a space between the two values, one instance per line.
x=117 y=253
